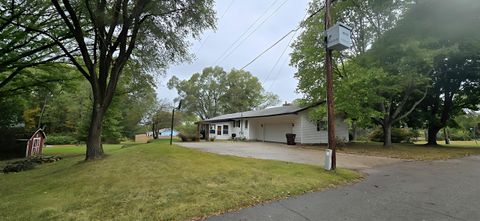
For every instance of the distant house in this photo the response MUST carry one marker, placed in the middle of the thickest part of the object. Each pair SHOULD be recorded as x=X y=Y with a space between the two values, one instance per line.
x=166 y=132
x=163 y=132
x=271 y=125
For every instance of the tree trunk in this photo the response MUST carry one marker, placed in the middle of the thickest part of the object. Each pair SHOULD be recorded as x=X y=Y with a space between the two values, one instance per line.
x=432 y=135
x=94 y=139
x=154 y=130
x=445 y=133
x=387 y=135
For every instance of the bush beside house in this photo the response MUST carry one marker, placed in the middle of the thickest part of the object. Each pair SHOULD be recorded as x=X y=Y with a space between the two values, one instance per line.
x=188 y=132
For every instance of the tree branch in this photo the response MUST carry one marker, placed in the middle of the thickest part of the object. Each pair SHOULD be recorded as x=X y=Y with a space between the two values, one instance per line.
x=413 y=106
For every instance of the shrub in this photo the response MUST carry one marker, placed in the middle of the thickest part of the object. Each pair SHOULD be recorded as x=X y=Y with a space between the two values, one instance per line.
x=187 y=138
x=188 y=132
x=399 y=135
x=60 y=139
x=457 y=134
x=10 y=146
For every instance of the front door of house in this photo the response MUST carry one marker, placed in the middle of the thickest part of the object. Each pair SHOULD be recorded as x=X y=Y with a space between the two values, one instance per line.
x=219 y=130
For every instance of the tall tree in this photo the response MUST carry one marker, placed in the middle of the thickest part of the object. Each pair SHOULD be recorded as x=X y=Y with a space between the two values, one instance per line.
x=369 y=20
x=201 y=93
x=456 y=86
x=108 y=33
x=393 y=99
x=244 y=92
x=214 y=92
x=443 y=31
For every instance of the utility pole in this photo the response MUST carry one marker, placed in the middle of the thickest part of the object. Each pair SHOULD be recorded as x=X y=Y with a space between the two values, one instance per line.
x=329 y=77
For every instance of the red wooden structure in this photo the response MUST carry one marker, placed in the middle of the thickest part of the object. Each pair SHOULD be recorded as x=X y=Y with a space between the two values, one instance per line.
x=36 y=143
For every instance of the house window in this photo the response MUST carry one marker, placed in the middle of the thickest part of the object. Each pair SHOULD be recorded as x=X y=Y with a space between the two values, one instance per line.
x=246 y=124
x=219 y=130
x=321 y=125
x=236 y=123
x=225 y=129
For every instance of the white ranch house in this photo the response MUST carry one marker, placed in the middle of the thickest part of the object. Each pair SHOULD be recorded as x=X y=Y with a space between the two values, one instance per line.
x=271 y=125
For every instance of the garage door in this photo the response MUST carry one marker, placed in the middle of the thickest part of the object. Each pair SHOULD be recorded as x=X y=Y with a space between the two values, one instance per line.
x=276 y=132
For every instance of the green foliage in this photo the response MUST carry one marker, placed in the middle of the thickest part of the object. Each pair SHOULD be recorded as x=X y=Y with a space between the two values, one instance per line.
x=446 y=33
x=136 y=97
x=12 y=110
x=112 y=128
x=458 y=134
x=399 y=135
x=214 y=92
x=369 y=19
x=21 y=47
x=60 y=139
x=100 y=38
x=68 y=103
x=187 y=129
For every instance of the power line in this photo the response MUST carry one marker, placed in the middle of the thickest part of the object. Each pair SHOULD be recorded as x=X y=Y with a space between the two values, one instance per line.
x=221 y=17
x=283 y=52
x=276 y=63
x=266 y=50
x=284 y=36
x=246 y=31
x=253 y=31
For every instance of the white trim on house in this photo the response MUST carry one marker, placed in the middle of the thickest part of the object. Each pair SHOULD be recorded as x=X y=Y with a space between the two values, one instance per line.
x=271 y=125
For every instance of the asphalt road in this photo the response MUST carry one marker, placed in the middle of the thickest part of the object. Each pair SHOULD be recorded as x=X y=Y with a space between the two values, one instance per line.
x=438 y=190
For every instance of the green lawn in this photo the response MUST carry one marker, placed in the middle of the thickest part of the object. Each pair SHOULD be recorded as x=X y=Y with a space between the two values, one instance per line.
x=414 y=151
x=153 y=181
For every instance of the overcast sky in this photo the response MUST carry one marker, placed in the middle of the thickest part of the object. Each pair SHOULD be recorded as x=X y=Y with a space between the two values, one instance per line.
x=271 y=20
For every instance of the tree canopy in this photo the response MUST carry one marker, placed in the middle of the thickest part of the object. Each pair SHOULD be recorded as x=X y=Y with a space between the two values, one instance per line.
x=406 y=55
x=100 y=39
x=214 y=92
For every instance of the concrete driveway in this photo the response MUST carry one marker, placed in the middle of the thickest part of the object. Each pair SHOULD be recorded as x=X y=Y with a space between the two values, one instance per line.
x=420 y=190
x=283 y=152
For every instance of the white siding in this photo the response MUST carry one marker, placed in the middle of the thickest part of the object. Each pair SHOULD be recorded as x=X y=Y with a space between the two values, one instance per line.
x=297 y=129
x=310 y=135
x=275 y=132
x=240 y=132
x=274 y=129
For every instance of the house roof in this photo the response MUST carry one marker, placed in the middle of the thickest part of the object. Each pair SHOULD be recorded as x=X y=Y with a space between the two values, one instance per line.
x=274 y=111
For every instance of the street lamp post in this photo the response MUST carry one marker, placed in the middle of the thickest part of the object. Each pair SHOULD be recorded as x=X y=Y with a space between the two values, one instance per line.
x=173 y=117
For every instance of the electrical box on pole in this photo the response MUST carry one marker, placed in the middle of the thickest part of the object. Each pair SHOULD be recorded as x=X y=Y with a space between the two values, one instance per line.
x=339 y=37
